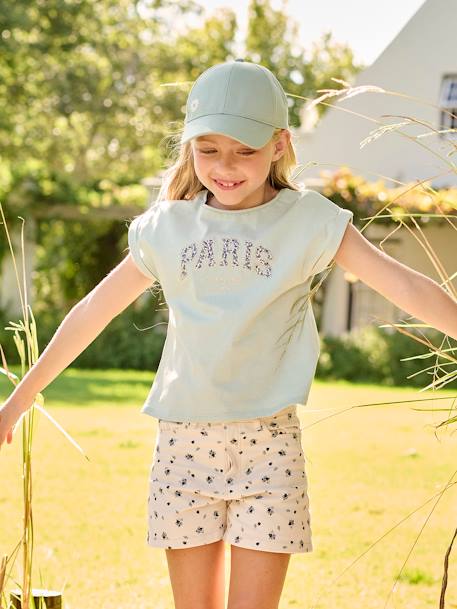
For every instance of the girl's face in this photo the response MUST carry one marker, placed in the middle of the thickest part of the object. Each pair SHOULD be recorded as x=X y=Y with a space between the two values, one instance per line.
x=233 y=172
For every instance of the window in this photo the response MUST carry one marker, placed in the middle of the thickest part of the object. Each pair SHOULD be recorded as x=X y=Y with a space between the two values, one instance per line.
x=448 y=101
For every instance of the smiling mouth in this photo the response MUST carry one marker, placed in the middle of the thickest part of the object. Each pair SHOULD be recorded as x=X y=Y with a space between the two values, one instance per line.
x=226 y=185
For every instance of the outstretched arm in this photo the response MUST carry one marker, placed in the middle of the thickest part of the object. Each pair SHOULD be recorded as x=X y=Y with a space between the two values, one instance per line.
x=408 y=289
x=80 y=327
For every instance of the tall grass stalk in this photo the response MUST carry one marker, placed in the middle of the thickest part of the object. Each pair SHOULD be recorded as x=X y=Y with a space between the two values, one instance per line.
x=26 y=342
x=444 y=351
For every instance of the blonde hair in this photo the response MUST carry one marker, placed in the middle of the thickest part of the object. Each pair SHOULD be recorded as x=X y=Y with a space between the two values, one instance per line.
x=181 y=182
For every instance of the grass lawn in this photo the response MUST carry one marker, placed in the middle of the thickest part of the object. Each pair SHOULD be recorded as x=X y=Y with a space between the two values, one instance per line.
x=367 y=470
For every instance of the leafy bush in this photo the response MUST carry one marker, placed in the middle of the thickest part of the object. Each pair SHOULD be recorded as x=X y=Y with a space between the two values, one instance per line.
x=119 y=345
x=372 y=355
x=122 y=345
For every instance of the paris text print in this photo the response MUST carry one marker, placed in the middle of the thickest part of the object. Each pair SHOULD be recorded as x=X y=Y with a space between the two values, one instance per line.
x=224 y=252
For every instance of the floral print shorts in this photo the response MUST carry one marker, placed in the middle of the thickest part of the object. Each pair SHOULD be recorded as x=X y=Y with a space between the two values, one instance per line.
x=241 y=481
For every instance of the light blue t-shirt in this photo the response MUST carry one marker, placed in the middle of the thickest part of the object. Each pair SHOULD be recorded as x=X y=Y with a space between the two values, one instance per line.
x=230 y=279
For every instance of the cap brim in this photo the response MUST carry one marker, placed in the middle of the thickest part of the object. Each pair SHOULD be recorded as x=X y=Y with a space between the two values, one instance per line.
x=247 y=131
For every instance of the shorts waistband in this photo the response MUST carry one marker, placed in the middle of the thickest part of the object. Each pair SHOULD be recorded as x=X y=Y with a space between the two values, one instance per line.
x=288 y=413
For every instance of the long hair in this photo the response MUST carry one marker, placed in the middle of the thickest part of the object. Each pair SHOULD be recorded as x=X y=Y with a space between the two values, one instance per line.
x=181 y=182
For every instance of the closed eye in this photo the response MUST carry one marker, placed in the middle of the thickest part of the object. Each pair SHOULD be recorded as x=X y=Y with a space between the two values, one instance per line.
x=246 y=152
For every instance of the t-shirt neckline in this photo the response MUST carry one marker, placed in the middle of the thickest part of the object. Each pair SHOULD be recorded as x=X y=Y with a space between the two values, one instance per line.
x=204 y=197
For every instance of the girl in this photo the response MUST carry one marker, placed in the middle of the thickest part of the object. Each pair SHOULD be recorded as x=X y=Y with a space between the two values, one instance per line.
x=235 y=245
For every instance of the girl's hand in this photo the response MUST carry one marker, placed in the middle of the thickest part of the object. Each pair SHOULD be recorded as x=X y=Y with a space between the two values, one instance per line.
x=9 y=414
x=80 y=327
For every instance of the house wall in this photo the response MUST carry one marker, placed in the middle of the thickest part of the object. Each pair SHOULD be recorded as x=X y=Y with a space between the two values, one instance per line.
x=413 y=64
x=368 y=306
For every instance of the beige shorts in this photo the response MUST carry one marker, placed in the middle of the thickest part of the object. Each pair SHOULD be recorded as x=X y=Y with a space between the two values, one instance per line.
x=240 y=481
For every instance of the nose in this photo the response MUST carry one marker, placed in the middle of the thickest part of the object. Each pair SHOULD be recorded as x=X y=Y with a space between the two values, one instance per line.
x=226 y=161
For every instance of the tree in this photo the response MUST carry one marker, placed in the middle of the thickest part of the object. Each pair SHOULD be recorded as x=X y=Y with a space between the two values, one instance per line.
x=80 y=84
x=273 y=40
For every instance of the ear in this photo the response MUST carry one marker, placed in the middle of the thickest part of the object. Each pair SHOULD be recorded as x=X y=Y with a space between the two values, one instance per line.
x=280 y=146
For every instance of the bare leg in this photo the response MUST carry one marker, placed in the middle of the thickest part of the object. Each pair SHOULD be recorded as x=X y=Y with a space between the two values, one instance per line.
x=256 y=578
x=198 y=576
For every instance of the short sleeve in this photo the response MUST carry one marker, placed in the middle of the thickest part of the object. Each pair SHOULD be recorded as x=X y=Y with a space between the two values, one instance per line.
x=330 y=223
x=141 y=243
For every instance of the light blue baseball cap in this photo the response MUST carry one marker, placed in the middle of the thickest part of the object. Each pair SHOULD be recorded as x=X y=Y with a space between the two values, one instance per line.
x=239 y=99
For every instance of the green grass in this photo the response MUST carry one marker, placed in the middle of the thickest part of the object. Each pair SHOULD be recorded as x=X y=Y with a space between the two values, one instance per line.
x=367 y=469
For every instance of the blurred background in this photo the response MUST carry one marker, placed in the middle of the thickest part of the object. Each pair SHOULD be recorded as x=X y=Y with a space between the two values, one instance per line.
x=91 y=90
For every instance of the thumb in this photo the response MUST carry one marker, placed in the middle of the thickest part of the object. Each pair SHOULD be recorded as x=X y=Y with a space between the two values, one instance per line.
x=9 y=436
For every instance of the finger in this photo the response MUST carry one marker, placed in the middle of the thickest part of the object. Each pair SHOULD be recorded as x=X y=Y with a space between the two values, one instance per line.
x=9 y=437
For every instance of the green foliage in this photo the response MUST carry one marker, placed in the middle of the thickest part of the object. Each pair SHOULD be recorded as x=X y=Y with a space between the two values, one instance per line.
x=72 y=258
x=33 y=187
x=273 y=40
x=120 y=345
x=81 y=84
x=198 y=48
x=80 y=87
x=81 y=81
x=372 y=355
x=123 y=345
